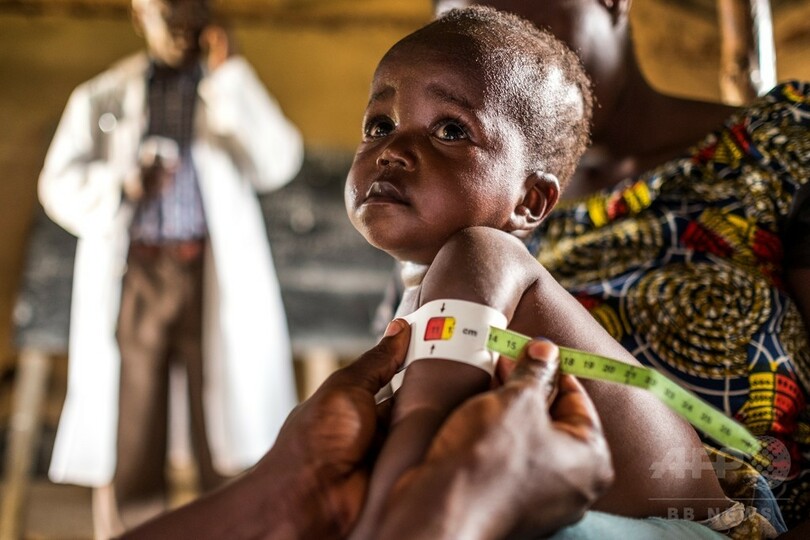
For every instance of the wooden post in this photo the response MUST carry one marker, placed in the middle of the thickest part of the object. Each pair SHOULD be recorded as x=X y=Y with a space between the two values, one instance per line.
x=748 y=53
x=23 y=438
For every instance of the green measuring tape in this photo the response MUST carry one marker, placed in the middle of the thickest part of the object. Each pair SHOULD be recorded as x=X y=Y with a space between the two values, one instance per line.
x=694 y=410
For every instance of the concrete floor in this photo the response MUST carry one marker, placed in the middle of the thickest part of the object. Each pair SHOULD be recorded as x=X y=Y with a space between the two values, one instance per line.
x=57 y=512
x=51 y=511
x=60 y=511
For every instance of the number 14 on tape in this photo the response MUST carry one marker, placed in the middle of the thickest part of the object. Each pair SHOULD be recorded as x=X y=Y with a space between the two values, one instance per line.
x=590 y=366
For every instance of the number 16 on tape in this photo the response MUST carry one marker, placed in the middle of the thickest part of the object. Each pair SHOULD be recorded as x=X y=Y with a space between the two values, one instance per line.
x=697 y=412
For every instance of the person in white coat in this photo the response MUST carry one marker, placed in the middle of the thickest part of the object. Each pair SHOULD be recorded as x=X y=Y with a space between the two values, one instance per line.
x=155 y=167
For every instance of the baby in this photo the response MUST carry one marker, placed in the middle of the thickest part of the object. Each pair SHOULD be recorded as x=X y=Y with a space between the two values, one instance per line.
x=474 y=124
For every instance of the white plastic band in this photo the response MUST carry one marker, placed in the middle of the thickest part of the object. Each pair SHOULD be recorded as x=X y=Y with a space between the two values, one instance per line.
x=452 y=330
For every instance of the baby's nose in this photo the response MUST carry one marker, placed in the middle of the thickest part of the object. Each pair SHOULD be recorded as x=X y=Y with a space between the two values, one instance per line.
x=397 y=154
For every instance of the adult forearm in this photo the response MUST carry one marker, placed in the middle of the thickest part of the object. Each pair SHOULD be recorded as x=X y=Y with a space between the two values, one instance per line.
x=271 y=501
x=440 y=502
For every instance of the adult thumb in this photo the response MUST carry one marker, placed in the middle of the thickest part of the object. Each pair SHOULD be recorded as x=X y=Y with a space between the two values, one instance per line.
x=538 y=366
x=375 y=368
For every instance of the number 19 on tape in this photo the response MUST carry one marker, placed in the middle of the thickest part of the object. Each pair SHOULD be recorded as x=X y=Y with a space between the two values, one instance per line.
x=697 y=412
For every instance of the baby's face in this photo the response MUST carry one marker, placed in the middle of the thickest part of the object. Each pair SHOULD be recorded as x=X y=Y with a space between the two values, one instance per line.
x=435 y=156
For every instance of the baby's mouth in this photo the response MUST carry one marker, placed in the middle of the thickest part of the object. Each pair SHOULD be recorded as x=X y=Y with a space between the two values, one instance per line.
x=384 y=192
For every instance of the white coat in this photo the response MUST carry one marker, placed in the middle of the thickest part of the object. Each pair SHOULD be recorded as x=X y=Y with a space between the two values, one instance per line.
x=242 y=145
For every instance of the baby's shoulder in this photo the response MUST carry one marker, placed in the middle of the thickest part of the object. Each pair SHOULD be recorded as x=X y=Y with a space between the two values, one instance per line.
x=482 y=264
x=485 y=244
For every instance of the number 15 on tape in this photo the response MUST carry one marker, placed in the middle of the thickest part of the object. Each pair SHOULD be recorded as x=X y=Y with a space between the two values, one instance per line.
x=697 y=412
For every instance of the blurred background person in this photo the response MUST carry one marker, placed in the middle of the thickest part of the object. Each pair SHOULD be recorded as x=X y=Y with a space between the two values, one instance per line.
x=155 y=167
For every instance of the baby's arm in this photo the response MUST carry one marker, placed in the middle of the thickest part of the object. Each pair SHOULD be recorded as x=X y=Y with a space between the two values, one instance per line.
x=661 y=467
x=475 y=265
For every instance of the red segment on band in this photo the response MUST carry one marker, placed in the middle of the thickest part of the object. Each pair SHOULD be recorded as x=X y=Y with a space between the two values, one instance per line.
x=439 y=328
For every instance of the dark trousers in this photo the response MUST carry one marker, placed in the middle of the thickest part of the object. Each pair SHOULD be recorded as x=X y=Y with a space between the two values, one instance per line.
x=160 y=321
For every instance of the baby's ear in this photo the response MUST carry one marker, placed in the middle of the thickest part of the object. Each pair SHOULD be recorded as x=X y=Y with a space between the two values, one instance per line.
x=542 y=194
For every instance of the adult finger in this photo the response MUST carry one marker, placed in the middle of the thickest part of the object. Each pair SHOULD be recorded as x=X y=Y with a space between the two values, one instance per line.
x=537 y=366
x=375 y=368
x=573 y=409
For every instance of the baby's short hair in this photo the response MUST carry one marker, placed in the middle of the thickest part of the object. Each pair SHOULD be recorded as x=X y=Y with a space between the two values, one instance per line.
x=523 y=67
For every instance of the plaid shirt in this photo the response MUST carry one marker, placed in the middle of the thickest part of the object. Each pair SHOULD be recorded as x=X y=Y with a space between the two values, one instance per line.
x=176 y=213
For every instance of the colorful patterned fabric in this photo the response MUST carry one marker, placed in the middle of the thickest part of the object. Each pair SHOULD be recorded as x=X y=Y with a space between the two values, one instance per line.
x=683 y=265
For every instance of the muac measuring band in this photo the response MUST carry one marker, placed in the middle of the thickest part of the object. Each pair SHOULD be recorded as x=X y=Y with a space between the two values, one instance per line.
x=472 y=333
x=694 y=410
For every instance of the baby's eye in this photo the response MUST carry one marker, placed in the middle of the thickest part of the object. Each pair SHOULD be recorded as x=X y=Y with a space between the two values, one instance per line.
x=451 y=130
x=377 y=127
